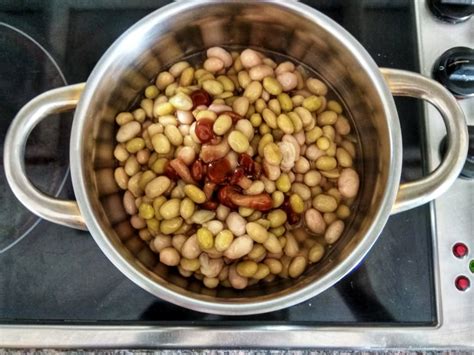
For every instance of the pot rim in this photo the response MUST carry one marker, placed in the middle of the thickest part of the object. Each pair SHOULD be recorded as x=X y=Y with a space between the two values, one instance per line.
x=251 y=305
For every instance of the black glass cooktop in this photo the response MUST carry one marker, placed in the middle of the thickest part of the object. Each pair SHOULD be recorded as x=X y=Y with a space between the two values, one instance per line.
x=59 y=275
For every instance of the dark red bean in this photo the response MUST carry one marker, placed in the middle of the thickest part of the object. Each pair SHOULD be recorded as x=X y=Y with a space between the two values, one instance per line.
x=293 y=217
x=197 y=170
x=218 y=170
x=210 y=205
x=200 y=97
x=260 y=202
x=204 y=130
x=231 y=197
x=257 y=171
x=182 y=170
x=237 y=175
x=224 y=196
x=171 y=173
x=246 y=162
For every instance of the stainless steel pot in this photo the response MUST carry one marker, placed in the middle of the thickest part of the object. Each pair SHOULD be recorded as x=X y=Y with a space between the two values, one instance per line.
x=184 y=28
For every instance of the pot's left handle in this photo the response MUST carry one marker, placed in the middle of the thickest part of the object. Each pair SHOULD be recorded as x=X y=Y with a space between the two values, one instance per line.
x=55 y=210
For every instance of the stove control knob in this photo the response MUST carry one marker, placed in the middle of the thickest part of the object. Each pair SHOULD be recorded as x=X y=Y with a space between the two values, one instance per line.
x=453 y=11
x=455 y=70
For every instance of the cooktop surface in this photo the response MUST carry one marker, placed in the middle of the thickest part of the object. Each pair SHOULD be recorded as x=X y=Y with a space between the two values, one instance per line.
x=52 y=274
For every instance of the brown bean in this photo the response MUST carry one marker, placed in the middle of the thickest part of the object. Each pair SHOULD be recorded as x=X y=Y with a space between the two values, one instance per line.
x=274 y=265
x=314 y=153
x=288 y=81
x=210 y=267
x=297 y=266
x=259 y=72
x=291 y=247
x=334 y=232
x=143 y=156
x=128 y=131
x=348 y=183
x=213 y=64
x=121 y=178
x=178 y=241
x=191 y=248
x=129 y=203
x=169 y=256
x=120 y=153
x=161 y=242
x=222 y=54
x=272 y=244
x=314 y=221
x=238 y=282
x=342 y=125
x=316 y=253
x=137 y=222
x=250 y=58
x=285 y=67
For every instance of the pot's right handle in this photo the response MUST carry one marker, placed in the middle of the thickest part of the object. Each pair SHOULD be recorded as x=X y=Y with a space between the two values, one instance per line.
x=416 y=193
x=54 y=101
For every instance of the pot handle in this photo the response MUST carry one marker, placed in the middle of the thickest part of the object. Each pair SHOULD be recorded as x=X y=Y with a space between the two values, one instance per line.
x=416 y=193
x=55 y=210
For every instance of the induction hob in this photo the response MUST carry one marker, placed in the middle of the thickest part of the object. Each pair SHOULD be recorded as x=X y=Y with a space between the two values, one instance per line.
x=55 y=278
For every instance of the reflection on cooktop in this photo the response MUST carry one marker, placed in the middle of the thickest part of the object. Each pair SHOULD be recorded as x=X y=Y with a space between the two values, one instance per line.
x=27 y=70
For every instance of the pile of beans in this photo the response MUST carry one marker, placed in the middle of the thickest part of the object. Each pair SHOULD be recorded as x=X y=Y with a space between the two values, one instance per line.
x=237 y=170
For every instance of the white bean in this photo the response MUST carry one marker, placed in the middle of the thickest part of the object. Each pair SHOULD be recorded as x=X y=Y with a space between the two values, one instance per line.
x=219 y=108
x=187 y=155
x=314 y=221
x=302 y=165
x=259 y=72
x=348 y=183
x=313 y=152
x=238 y=282
x=190 y=249
x=222 y=212
x=256 y=188
x=240 y=247
x=288 y=81
x=184 y=117
x=213 y=64
x=334 y=232
x=128 y=131
x=236 y=223
x=250 y=58
x=214 y=226
x=222 y=54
